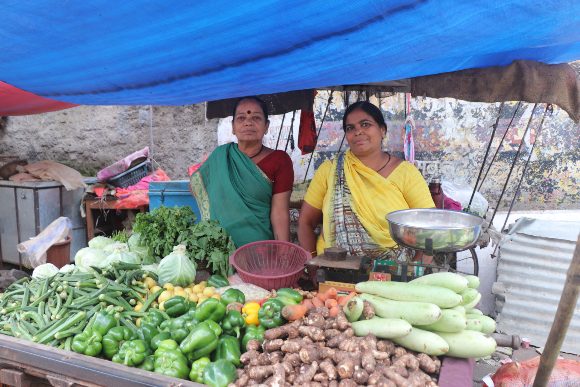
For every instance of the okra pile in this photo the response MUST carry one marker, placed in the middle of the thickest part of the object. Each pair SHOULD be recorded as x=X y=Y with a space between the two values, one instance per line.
x=53 y=310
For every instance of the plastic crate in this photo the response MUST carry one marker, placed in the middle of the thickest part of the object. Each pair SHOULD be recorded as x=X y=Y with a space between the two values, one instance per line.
x=132 y=175
x=172 y=194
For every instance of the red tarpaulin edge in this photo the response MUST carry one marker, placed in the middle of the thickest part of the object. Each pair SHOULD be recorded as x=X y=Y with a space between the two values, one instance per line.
x=17 y=102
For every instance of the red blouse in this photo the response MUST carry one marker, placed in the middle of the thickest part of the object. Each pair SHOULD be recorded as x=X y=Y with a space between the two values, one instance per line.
x=278 y=167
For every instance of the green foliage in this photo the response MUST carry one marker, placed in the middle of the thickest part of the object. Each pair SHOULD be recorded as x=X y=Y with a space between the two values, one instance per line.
x=120 y=236
x=164 y=228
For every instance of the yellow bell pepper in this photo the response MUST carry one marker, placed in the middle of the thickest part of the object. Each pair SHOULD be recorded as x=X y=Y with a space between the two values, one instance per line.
x=250 y=313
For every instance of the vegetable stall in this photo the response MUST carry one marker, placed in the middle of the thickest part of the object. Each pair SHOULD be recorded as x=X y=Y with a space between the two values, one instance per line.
x=125 y=306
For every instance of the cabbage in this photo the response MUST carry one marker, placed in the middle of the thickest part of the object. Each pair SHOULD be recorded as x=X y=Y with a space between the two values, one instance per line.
x=45 y=270
x=176 y=268
x=68 y=269
x=88 y=256
x=100 y=242
x=141 y=250
x=108 y=249
x=121 y=253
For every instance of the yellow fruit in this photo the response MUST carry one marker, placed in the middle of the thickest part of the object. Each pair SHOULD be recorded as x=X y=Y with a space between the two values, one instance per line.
x=176 y=288
x=201 y=299
x=168 y=286
x=138 y=307
x=155 y=289
x=198 y=288
x=162 y=305
x=189 y=291
x=209 y=291
x=181 y=293
x=193 y=297
x=138 y=322
x=166 y=295
x=217 y=296
x=150 y=282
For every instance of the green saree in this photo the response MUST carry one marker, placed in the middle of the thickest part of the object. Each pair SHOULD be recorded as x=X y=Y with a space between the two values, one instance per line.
x=231 y=189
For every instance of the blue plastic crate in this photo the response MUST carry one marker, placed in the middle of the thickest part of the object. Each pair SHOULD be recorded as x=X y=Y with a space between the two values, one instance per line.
x=172 y=194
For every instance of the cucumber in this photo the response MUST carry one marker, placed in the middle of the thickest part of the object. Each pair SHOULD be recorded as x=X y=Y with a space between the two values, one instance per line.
x=473 y=303
x=451 y=281
x=487 y=323
x=415 y=313
x=472 y=281
x=353 y=309
x=460 y=308
x=385 y=328
x=468 y=344
x=473 y=324
x=474 y=312
x=451 y=321
x=402 y=291
x=427 y=342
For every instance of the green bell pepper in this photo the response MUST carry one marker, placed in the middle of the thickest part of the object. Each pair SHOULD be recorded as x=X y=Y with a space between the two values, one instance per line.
x=201 y=341
x=154 y=343
x=228 y=348
x=88 y=343
x=288 y=296
x=148 y=364
x=233 y=322
x=147 y=331
x=197 y=368
x=176 y=306
x=113 y=340
x=219 y=373
x=270 y=313
x=170 y=361
x=218 y=281
x=233 y=295
x=210 y=309
x=153 y=317
x=253 y=332
x=176 y=327
x=103 y=322
x=215 y=327
x=132 y=353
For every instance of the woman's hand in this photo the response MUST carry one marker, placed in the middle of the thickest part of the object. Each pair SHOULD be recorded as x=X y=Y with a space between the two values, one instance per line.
x=310 y=217
x=280 y=216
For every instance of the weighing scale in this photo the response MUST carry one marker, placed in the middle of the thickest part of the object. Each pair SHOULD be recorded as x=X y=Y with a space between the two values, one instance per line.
x=436 y=232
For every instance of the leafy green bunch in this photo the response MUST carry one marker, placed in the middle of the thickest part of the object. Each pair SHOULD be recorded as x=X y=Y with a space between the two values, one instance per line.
x=206 y=241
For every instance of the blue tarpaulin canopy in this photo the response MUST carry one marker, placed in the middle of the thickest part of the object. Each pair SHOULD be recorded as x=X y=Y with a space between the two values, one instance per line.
x=104 y=52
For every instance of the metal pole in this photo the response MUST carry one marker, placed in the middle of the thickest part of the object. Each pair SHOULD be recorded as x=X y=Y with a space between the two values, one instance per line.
x=280 y=131
x=486 y=153
x=512 y=167
x=499 y=145
x=561 y=322
x=290 y=132
x=516 y=194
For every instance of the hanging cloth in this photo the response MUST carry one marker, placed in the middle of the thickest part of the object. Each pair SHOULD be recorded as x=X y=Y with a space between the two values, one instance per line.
x=307 y=130
x=408 y=142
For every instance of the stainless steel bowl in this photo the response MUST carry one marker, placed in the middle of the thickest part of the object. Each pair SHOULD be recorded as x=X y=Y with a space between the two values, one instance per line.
x=433 y=230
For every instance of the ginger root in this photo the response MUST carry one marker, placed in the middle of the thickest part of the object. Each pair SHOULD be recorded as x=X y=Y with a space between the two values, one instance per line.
x=309 y=354
x=314 y=333
x=327 y=366
x=386 y=346
x=272 y=345
x=306 y=373
x=360 y=376
x=427 y=364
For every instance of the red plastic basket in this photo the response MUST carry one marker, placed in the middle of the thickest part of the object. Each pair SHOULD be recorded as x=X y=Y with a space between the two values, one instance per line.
x=270 y=264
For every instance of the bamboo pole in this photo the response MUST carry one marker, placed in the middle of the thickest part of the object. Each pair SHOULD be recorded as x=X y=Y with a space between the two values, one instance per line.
x=561 y=320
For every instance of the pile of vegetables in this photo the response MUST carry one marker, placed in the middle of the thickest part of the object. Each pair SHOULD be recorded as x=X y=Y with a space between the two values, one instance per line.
x=434 y=314
x=319 y=348
x=165 y=227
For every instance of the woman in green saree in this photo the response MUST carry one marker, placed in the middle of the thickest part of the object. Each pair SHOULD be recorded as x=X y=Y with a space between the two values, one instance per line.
x=246 y=186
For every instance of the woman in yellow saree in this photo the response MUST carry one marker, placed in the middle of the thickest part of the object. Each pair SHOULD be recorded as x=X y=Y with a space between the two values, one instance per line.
x=352 y=194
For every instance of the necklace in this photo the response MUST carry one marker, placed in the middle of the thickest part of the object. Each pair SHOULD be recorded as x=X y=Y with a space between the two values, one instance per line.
x=260 y=151
x=389 y=159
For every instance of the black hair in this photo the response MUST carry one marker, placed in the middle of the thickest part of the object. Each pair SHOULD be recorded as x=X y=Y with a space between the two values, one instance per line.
x=368 y=108
x=260 y=102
